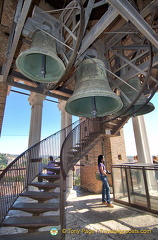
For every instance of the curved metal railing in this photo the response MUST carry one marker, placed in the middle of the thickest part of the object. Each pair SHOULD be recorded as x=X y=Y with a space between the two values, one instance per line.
x=76 y=143
x=72 y=143
x=75 y=146
x=21 y=171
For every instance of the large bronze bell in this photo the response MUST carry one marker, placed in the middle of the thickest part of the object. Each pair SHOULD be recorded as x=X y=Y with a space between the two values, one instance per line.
x=92 y=96
x=41 y=63
x=132 y=94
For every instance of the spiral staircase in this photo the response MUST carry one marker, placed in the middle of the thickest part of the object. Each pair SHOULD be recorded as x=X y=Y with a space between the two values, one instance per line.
x=41 y=202
x=125 y=36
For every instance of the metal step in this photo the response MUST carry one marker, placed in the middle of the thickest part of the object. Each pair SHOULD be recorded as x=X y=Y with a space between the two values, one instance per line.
x=92 y=134
x=45 y=185
x=56 y=162
x=31 y=236
x=36 y=207
x=76 y=147
x=39 y=195
x=53 y=169
x=32 y=222
x=50 y=177
x=73 y=153
x=84 y=151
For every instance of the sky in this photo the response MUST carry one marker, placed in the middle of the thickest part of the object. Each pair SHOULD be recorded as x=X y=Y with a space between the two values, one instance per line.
x=151 y=123
x=16 y=124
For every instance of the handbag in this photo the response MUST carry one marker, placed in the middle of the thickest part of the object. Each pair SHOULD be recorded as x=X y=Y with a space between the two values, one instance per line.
x=97 y=175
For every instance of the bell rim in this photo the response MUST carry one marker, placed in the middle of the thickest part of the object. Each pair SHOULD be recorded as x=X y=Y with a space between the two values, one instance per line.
x=19 y=62
x=68 y=109
x=149 y=108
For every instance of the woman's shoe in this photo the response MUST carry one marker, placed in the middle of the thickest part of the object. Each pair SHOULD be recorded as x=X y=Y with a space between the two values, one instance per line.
x=110 y=205
x=105 y=203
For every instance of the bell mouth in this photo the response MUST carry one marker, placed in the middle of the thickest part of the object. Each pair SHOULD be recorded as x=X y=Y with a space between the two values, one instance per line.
x=82 y=107
x=30 y=65
x=93 y=96
x=149 y=107
x=40 y=62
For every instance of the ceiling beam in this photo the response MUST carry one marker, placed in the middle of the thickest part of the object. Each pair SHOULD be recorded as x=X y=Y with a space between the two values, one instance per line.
x=56 y=94
x=17 y=33
x=98 y=28
x=120 y=124
x=63 y=93
x=128 y=26
x=143 y=67
x=129 y=12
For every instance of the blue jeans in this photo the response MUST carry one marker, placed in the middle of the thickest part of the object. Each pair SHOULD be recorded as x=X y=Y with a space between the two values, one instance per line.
x=105 y=189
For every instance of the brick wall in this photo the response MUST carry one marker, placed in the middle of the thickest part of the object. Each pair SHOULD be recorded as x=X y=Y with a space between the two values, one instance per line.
x=3 y=93
x=8 y=12
x=114 y=150
x=87 y=173
x=6 y=22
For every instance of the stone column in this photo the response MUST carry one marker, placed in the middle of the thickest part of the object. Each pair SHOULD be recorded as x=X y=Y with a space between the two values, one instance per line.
x=36 y=101
x=141 y=140
x=142 y=146
x=66 y=120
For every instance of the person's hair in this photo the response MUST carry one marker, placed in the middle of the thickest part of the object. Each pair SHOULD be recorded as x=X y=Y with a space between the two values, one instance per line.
x=100 y=158
x=51 y=158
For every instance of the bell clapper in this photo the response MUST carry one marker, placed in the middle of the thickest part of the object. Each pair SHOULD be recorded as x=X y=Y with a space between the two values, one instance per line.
x=94 y=109
x=43 y=69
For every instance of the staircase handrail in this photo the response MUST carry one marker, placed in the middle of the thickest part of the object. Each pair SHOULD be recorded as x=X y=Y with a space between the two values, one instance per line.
x=24 y=168
x=85 y=129
x=33 y=146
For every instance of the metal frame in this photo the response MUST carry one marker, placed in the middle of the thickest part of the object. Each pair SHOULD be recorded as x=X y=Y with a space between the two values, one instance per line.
x=106 y=39
x=129 y=13
x=143 y=168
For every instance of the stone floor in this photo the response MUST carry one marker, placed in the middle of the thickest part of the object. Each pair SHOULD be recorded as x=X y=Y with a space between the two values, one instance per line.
x=87 y=219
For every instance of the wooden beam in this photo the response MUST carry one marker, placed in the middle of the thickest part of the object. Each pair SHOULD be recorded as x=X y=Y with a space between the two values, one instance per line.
x=17 y=33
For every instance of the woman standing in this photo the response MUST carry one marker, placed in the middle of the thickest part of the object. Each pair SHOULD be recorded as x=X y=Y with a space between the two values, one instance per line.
x=105 y=186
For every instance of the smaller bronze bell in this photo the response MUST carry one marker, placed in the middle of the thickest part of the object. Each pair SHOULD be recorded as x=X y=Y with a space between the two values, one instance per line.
x=41 y=63
x=92 y=96
x=132 y=94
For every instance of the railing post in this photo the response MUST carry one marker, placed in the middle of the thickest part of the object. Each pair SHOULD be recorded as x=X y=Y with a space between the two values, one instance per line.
x=28 y=171
x=62 y=205
x=146 y=187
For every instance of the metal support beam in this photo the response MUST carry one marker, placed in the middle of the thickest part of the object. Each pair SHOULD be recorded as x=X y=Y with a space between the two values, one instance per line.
x=130 y=63
x=128 y=11
x=115 y=39
x=88 y=12
x=98 y=28
x=120 y=124
x=143 y=67
x=59 y=94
